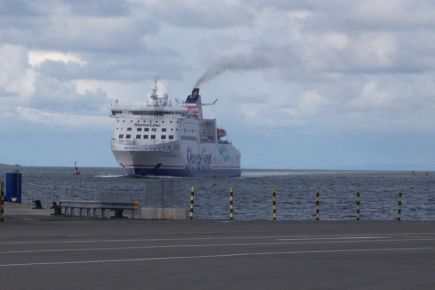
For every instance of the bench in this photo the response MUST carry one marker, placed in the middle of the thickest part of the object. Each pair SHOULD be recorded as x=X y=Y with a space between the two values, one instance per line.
x=97 y=209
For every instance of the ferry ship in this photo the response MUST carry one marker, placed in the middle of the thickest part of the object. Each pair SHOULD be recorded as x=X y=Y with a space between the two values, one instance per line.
x=162 y=139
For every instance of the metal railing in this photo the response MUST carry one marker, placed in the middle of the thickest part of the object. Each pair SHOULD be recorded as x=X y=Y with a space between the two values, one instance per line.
x=157 y=193
x=211 y=201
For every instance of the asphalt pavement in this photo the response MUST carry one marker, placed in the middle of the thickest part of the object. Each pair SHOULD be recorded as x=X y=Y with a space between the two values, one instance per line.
x=48 y=252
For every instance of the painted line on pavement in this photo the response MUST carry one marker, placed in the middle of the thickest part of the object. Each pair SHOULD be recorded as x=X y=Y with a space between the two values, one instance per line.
x=207 y=245
x=297 y=237
x=341 y=238
x=247 y=254
x=179 y=239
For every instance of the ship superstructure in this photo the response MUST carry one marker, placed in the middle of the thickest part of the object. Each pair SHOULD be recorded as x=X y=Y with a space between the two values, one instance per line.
x=159 y=138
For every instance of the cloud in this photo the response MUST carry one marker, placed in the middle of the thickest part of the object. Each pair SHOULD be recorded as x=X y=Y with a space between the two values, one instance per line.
x=16 y=78
x=356 y=68
x=311 y=56
x=373 y=98
x=52 y=95
x=296 y=111
x=59 y=119
x=38 y=57
x=62 y=26
x=201 y=14
x=342 y=59
x=26 y=92
x=311 y=102
x=104 y=8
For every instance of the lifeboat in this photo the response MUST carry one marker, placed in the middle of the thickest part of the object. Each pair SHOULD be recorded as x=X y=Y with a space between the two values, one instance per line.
x=221 y=133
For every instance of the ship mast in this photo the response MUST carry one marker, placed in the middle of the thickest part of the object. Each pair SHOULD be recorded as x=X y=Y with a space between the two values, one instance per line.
x=154 y=95
x=157 y=100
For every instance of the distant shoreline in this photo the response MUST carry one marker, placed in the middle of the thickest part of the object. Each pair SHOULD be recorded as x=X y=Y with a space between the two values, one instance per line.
x=10 y=165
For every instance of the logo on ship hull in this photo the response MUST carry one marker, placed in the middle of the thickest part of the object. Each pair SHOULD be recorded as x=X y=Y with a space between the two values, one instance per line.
x=198 y=161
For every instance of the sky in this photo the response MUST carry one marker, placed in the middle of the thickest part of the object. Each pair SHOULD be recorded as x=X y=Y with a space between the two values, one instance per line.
x=301 y=84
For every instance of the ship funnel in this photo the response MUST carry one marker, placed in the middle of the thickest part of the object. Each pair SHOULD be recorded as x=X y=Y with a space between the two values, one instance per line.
x=194 y=97
x=195 y=93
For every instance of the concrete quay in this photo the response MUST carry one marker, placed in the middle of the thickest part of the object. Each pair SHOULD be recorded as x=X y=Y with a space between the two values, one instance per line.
x=14 y=209
x=18 y=209
x=54 y=252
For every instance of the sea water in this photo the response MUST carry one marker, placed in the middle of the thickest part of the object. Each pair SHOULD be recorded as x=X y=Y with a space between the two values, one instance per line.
x=296 y=192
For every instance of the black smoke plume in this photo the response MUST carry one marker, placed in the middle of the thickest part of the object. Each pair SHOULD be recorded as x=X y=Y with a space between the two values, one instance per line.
x=240 y=63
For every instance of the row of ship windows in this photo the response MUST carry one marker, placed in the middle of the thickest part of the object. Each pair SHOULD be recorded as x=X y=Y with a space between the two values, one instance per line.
x=131 y=121
x=148 y=129
x=128 y=136
x=151 y=113
x=158 y=113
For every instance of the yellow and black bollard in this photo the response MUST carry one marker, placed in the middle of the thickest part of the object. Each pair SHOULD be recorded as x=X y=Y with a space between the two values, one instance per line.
x=274 y=204
x=192 y=202
x=231 y=204
x=2 y=203
x=358 y=206
x=318 y=204
x=399 y=205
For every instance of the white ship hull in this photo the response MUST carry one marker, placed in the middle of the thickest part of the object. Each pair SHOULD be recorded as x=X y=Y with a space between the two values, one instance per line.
x=185 y=159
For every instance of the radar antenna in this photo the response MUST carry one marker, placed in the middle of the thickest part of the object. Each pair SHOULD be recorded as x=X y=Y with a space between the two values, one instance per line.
x=154 y=95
